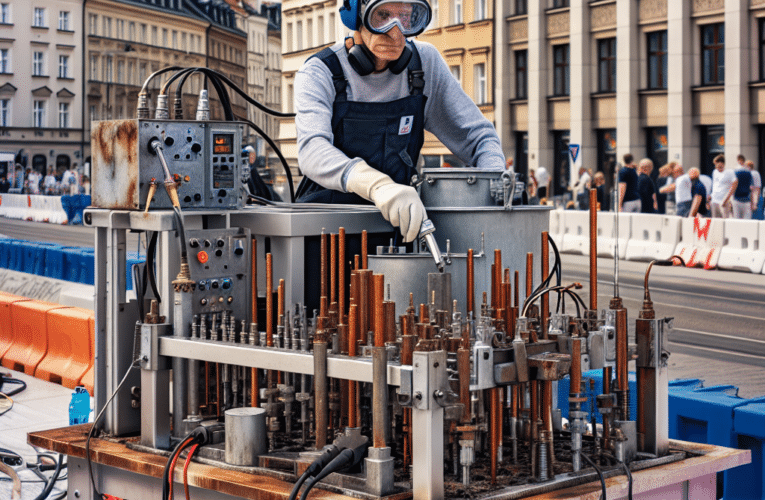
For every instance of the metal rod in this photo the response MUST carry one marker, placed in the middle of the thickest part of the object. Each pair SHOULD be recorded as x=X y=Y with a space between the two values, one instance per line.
x=516 y=289
x=545 y=313
x=254 y=376
x=341 y=274
x=497 y=279
x=463 y=372
x=496 y=425
x=333 y=268
x=379 y=395
x=269 y=301
x=353 y=325
x=622 y=369
x=593 y=250
x=576 y=368
x=320 y=390
x=365 y=277
x=364 y=244
x=323 y=265
x=470 y=283
x=529 y=273
x=547 y=405
x=280 y=302
x=356 y=262
x=389 y=312
x=606 y=418
x=378 y=295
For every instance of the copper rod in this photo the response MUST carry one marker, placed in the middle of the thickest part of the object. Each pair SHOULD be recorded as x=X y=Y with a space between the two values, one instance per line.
x=622 y=382
x=365 y=276
x=509 y=321
x=280 y=297
x=493 y=286
x=470 y=283
x=407 y=355
x=364 y=243
x=389 y=312
x=496 y=424
x=545 y=313
x=356 y=262
x=353 y=325
x=534 y=388
x=341 y=274
x=529 y=273
x=594 y=250
x=606 y=390
x=217 y=390
x=515 y=401
x=463 y=371
x=323 y=265
x=332 y=268
x=576 y=367
x=378 y=291
x=423 y=330
x=516 y=288
x=323 y=310
x=424 y=314
x=547 y=404
x=495 y=300
x=379 y=395
x=269 y=301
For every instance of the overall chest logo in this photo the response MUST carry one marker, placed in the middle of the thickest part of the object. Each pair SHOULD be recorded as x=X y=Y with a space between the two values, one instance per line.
x=405 y=125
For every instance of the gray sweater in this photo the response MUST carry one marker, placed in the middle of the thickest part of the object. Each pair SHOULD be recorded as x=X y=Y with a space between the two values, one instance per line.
x=449 y=114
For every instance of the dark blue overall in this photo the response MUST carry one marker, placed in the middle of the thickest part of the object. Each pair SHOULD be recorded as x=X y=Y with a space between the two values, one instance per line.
x=387 y=135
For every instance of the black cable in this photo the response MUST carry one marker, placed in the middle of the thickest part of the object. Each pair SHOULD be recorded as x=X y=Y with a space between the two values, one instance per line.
x=95 y=423
x=52 y=482
x=344 y=459
x=328 y=454
x=150 y=256
x=278 y=152
x=11 y=380
x=249 y=99
x=155 y=74
x=597 y=469
x=199 y=435
x=260 y=200
x=181 y=232
x=137 y=288
x=626 y=471
x=228 y=112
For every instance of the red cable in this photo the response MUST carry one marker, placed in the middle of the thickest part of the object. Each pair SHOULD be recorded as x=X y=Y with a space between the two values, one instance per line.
x=186 y=470
x=172 y=465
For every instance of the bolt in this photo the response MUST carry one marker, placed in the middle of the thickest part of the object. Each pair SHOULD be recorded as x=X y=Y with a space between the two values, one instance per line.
x=76 y=493
x=438 y=394
x=418 y=396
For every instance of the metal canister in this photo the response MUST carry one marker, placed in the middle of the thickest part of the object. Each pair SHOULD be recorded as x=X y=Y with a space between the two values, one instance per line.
x=245 y=436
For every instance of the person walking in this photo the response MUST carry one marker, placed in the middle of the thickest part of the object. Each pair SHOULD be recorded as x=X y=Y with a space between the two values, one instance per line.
x=724 y=183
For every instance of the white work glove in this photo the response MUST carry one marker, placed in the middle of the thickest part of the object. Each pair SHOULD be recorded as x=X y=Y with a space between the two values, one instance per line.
x=399 y=204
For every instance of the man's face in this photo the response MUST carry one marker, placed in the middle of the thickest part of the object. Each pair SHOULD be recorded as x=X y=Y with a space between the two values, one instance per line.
x=386 y=47
x=678 y=171
x=720 y=166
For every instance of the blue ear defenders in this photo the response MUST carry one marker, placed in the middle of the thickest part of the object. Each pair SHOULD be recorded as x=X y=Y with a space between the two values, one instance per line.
x=349 y=14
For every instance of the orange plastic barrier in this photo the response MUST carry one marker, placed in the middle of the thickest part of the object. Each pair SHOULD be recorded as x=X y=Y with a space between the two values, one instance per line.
x=88 y=379
x=70 y=351
x=6 y=328
x=30 y=335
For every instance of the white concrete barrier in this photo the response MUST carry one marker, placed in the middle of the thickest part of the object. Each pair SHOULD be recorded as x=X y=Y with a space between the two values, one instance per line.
x=37 y=208
x=702 y=246
x=576 y=232
x=55 y=211
x=556 y=227
x=607 y=233
x=742 y=247
x=653 y=237
x=16 y=206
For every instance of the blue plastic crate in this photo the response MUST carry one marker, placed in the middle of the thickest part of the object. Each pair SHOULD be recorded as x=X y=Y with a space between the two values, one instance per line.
x=54 y=262
x=597 y=376
x=87 y=266
x=71 y=264
x=5 y=252
x=16 y=259
x=749 y=425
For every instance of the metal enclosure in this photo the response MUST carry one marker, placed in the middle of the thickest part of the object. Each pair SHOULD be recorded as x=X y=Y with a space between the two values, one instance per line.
x=204 y=159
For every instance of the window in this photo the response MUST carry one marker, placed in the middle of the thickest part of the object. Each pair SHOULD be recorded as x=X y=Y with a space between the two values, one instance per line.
x=93 y=113
x=559 y=3
x=37 y=64
x=164 y=37
x=63 y=115
x=93 y=24
x=63 y=20
x=319 y=33
x=183 y=42
x=144 y=33
x=607 y=65
x=5 y=61
x=300 y=35
x=5 y=13
x=38 y=114
x=479 y=80
x=107 y=27
x=332 y=25
x=63 y=66
x=713 y=54
x=120 y=71
x=142 y=73
x=131 y=32
x=480 y=10
x=120 y=29
x=521 y=74
x=434 y=19
x=456 y=73
x=560 y=70
x=94 y=67
x=108 y=70
x=154 y=39
x=175 y=40
x=39 y=18
x=5 y=112
x=520 y=7
x=309 y=32
x=657 y=60
x=457 y=12
x=762 y=48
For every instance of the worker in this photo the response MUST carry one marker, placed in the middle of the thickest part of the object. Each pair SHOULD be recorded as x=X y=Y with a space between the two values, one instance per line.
x=362 y=106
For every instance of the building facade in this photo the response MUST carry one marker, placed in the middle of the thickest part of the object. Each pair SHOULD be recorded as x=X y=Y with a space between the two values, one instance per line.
x=668 y=80
x=41 y=86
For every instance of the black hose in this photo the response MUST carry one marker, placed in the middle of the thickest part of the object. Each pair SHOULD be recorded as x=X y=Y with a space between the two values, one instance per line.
x=597 y=469
x=181 y=232
x=278 y=152
x=10 y=380
x=249 y=99
x=52 y=482
x=150 y=256
x=344 y=459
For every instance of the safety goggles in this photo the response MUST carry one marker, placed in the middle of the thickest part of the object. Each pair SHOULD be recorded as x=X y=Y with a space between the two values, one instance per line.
x=411 y=17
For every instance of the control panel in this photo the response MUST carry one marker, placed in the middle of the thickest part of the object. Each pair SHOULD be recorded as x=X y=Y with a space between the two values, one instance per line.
x=204 y=158
x=219 y=262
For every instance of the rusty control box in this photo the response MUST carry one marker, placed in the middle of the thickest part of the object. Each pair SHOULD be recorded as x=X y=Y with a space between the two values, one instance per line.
x=203 y=157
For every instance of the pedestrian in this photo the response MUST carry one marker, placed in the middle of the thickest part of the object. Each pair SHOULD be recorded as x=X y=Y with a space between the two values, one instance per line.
x=581 y=189
x=85 y=187
x=745 y=197
x=724 y=184
x=543 y=183
x=49 y=183
x=698 y=193
x=681 y=188
x=603 y=195
x=757 y=188
x=646 y=188
x=664 y=198
x=363 y=105
x=629 y=197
